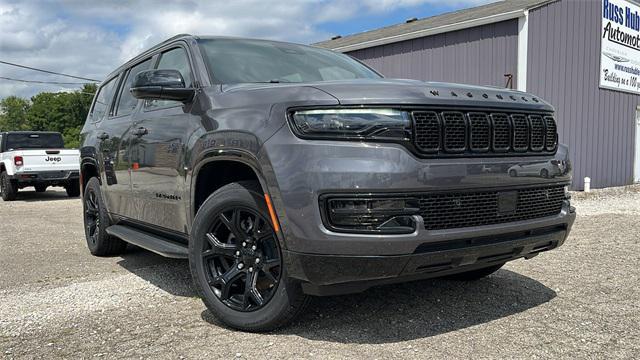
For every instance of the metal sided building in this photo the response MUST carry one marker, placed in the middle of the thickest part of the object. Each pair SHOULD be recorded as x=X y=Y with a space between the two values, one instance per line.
x=583 y=56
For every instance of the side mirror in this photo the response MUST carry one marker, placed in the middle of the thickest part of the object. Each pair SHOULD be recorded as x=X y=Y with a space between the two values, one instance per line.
x=161 y=85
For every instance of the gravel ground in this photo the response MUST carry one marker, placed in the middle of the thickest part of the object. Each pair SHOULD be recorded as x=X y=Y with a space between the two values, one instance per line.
x=580 y=301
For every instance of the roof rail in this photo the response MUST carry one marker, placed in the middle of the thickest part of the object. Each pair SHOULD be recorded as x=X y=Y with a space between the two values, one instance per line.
x=165 y=41
x=176 y=37
x=147 y=51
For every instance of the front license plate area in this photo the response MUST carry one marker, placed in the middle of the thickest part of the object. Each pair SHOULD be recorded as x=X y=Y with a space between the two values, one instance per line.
x=507 y=202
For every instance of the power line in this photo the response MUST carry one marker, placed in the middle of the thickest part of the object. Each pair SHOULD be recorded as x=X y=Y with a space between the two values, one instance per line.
x=42 y=82
x=47 y=71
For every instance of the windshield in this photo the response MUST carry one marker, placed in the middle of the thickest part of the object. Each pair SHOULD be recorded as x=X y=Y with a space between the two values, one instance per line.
x=34 y=141
x=233 y=61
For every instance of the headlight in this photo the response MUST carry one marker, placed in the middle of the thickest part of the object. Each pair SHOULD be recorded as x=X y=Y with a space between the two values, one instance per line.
x=375 y=124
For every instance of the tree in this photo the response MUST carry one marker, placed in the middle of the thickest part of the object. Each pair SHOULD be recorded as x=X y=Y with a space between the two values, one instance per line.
x=13 y=113
x=59 y=111
x=63 y=112
x=72 y=137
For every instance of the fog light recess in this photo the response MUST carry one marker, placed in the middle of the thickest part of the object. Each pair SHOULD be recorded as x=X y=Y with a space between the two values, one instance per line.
x=372 y=215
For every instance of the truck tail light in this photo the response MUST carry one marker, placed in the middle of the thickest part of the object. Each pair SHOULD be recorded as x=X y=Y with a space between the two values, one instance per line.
x=372 y=215
x=18 y=161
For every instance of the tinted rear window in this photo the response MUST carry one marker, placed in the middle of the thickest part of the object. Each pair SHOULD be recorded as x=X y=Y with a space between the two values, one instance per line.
x=103 y=99
x=34 y=141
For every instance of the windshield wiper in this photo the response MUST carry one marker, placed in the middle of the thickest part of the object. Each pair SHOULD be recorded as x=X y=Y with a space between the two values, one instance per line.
x=272 y=81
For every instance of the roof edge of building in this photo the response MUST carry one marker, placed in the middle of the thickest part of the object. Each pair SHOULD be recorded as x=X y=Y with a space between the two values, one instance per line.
x=490 y=19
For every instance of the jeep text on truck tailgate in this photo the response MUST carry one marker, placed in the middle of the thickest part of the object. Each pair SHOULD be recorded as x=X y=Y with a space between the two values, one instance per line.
x=38 y=159
x=282 y=171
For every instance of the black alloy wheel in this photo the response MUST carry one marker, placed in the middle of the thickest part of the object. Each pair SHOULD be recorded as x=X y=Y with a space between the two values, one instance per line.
x=92 y=216
x=96 y=221
x=237 y=264
x=241 y=258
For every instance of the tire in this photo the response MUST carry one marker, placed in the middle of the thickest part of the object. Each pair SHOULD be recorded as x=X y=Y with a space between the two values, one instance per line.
x=513 y=173
x=96 y=221
x=73 y=189
x=8 y=188
x=475 y=274
x=215 y=255
x=40 y=188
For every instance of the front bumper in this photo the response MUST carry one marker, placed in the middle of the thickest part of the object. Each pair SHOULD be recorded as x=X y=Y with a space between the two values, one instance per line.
x=332 y=275
x=298 y=172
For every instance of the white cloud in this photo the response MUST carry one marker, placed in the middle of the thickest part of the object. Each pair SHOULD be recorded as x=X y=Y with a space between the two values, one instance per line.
x=90 y=39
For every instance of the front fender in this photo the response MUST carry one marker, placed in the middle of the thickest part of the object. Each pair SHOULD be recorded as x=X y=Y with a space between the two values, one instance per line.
x=208 y=157
x=236 y=155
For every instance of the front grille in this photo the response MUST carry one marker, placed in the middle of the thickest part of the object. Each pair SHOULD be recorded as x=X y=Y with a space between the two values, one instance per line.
x=464 y=209
x=501 y=139
x=455 y=132
x=520 y=132
x=551 y=140
x=479 y=131
x=427 y=131
x=536 y=125
x=468 y=133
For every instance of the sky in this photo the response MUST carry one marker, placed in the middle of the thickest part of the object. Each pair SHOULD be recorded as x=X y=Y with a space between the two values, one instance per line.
x=90 y=39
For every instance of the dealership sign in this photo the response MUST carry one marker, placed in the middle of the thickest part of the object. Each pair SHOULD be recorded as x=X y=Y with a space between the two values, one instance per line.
x=620 y=46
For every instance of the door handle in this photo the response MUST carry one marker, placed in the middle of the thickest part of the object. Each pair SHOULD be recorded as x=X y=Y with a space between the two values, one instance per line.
x=141 y=131
x=103 y=136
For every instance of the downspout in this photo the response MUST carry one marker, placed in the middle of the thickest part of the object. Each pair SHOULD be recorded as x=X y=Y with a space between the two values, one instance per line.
x=523 y=44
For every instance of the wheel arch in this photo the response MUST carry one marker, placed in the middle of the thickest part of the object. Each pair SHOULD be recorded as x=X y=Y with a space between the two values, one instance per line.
x=6 y=166
x=88 y=169
x=234 y=165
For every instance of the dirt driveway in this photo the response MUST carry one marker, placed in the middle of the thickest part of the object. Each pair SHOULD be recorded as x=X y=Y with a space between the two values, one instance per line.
x=580 y=301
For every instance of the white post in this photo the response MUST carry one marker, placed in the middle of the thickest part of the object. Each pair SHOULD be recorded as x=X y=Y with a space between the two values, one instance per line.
x=587 y=184
x=523 y=43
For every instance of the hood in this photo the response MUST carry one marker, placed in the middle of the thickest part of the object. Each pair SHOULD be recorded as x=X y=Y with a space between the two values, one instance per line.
x=413 y=92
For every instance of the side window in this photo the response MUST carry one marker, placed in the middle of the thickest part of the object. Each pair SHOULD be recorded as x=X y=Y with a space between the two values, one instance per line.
x=127 y=102
x=174 y=59
x=103 y=100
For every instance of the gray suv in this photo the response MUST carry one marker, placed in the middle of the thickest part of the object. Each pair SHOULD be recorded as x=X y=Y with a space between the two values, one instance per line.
x=283 y=171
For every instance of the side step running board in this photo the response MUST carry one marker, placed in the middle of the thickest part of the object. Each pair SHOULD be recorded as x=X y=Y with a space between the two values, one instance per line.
x=157 y=244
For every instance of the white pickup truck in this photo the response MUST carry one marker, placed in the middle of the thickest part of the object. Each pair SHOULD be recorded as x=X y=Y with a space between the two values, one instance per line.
x=38 y=159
